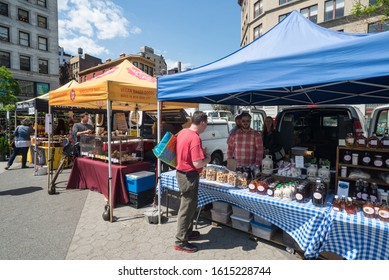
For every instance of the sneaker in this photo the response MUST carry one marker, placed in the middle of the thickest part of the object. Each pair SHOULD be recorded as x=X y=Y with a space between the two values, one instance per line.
x=26 y=167
x=194 y=235
x=187 y=247
x=7 y=167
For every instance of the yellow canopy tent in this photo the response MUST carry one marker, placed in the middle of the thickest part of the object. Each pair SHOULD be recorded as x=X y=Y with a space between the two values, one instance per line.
x=123 y=87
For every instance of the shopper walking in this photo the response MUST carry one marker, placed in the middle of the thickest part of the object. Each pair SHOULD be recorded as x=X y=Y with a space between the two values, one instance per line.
x=22 y=142
x=190 y=162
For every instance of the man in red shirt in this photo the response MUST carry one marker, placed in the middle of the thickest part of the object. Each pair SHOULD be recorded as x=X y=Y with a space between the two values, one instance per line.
x=245 y=144
x=190 y=162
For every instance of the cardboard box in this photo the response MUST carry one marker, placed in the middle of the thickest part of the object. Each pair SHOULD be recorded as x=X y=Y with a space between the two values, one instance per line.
x=140 y=181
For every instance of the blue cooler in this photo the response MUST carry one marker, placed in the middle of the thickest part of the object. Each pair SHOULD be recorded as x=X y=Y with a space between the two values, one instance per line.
x=140 y=181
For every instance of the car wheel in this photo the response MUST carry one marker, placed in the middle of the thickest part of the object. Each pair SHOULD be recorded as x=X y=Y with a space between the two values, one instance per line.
x=217 y=159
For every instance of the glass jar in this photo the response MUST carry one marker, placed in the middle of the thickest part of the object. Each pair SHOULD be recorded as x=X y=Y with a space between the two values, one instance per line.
x=312 y=172
x=336 y=204
x=253 y=186
x=347 y=157
x=366 y=159
x=383 y=213
x=343 y=171
x=360 y=141
x=373 y=142
x=378 y=161
x=354 y=160
x=350 y=139
x=271 y=189
x=387 y=163
x=262 y=188
x=319 y=193
x=278 y=192
x=350 y=207
x=385 y=140
x=368 y=209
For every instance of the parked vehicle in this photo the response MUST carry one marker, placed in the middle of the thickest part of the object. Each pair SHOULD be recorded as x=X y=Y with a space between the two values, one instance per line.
x=379 y=122
x=214 y=138
x=220 y=114
x=319 y=128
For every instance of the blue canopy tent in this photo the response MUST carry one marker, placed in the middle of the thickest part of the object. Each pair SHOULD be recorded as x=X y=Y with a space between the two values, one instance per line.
x=295 y=63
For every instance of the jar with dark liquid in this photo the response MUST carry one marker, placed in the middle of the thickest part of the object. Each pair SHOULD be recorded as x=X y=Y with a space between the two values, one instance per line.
x=368 y=209
x=347 y=157
x=319 y=193
x=366 y=159
x=336 y=204
x=383 y=213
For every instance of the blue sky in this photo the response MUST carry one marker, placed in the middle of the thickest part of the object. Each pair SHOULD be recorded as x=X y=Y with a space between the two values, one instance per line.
x=195 y=32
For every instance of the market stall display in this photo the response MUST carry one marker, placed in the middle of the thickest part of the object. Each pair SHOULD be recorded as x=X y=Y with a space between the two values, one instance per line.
x=93 y=175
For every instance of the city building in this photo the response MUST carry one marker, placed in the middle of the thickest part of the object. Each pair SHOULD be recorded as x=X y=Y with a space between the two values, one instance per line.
x=82 y=62
x=29 y=44
x=63 y=56
x=159 y=61
x=259 y=16
x=139 y=61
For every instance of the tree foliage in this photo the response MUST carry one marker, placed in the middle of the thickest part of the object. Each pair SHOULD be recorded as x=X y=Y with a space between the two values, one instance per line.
x=381 y=6
x=9 y=87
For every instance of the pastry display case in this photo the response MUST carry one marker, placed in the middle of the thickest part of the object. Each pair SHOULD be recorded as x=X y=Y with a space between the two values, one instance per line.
x=124 y=149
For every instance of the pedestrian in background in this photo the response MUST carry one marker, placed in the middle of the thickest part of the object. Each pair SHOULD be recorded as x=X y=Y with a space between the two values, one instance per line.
x=238 y=117
x=190 y=162
x=22 y=142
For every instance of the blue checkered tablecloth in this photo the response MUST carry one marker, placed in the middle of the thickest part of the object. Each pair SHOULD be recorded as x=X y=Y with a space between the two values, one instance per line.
x=355 y=237
x=306 y=223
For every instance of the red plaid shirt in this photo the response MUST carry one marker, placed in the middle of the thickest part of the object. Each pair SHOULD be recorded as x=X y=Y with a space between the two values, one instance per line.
x=245 y=147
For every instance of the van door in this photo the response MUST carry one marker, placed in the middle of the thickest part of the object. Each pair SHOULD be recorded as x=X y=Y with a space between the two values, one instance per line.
x=214 y=138
x=379 y=122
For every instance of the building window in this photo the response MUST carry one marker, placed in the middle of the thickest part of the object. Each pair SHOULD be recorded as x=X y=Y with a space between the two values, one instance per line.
x=24 y=39
x=3 y=9
x=378 y=27
x=258 y=8
x=25 y=63
x=310 y=13
x=257 y=31
x=42 y=3
x=281 y=17
x=4 y=34
x=5 y=59
x=42 y=21
x=285 y=1
x=42 y=43
x=23 y=15
x=333 y=9
x=43 y=66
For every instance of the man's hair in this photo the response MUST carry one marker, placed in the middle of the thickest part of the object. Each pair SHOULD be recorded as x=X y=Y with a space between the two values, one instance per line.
x=198 y=117
x=83 y=115
x=245 y=114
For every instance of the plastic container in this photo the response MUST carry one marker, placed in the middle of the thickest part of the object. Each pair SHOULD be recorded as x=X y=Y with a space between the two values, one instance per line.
x=219 y=217
x=140 y=181
x=221 y=206
x=262 y=231
x=241 y=224
x=241 y=213
x=261 y=221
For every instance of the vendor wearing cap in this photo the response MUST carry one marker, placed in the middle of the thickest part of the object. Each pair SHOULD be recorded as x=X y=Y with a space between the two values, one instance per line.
x=245 y=144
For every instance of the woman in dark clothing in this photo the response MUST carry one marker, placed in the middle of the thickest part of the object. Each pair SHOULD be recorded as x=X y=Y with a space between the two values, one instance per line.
x=270 y=138
x=22 y=142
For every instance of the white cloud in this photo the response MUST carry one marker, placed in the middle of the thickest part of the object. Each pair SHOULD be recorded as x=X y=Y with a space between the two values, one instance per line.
x=84 y=21
x=174 y=63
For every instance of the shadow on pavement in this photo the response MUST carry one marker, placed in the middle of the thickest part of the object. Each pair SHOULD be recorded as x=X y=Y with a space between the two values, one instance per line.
x=21 y=191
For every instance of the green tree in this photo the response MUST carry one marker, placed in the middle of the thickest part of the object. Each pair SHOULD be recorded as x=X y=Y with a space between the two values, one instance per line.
x=9 y=87
x=380 y=6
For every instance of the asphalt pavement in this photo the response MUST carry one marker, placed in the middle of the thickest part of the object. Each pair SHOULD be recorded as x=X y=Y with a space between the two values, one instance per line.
x=69 y=226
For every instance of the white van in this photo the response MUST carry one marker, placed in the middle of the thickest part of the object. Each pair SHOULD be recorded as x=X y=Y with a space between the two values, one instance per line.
x=379 y=122
x=214 y=138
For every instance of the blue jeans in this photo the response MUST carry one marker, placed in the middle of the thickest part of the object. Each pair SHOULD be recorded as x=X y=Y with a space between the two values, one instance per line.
x=15 y=152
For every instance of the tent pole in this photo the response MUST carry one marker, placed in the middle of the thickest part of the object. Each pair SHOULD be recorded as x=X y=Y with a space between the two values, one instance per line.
x=159 y=161
x=35 y=143
x=109 y=160
x=48 y=160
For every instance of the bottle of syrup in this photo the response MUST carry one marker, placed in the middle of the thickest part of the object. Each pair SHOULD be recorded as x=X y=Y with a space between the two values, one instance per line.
x=368 y=209
x=350 y=207
x=385 y=140
x=358 y=189
x=373 y=142
x=373 y=192
x=360 y=140
x=336 y=204
x=383 y=213
x=365 y=191
x=319 y=193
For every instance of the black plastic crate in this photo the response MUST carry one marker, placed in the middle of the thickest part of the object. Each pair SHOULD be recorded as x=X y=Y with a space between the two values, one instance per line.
x=139 y=200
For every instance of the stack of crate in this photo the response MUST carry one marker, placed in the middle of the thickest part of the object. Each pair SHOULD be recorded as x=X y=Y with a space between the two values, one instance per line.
x=140 y=187
x=221 y=212
x=241 y=218
x=262 y=228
